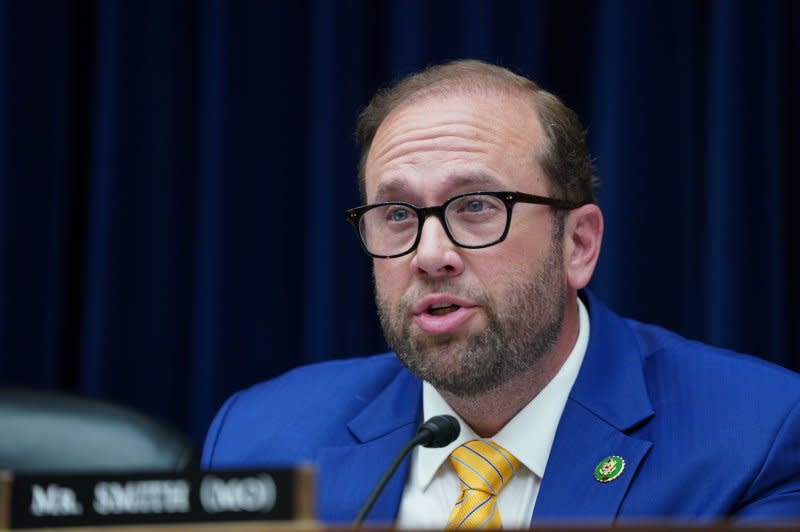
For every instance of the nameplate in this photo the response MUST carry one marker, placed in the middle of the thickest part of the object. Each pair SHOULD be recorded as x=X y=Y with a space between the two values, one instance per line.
x=44 y=501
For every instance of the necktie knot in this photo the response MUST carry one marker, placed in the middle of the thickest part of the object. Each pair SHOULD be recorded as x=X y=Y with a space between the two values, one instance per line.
x=483 y=465
x=483 y=468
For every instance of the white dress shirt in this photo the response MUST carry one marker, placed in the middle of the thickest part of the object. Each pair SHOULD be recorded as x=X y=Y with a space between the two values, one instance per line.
x=432 y=486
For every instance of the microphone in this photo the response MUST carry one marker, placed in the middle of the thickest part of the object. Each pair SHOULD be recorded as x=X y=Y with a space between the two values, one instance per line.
x=438 y=431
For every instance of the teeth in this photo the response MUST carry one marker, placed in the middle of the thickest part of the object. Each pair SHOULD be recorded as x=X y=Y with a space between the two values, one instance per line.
x=438 y=310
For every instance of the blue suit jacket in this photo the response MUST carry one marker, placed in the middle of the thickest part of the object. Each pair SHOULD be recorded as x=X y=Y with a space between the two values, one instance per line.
x=704 y=433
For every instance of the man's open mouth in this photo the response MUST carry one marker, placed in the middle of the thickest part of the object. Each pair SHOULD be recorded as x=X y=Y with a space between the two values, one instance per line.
x=441 y=310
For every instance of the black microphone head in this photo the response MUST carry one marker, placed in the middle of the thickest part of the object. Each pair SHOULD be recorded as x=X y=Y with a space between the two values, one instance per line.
x=440 y=431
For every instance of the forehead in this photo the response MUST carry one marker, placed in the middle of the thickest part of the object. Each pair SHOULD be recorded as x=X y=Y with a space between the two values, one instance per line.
x=447 y=142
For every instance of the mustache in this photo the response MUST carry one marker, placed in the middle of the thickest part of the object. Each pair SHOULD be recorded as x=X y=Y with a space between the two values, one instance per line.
x=423 y=288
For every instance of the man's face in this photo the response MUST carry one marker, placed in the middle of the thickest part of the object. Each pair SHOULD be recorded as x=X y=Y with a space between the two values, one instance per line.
x=467 y=320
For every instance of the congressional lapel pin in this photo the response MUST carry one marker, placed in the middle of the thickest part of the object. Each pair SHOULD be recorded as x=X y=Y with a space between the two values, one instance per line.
x=609 y=468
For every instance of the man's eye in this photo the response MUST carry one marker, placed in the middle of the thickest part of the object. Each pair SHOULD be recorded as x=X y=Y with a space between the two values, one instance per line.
x=475 y=206
x=398 y=214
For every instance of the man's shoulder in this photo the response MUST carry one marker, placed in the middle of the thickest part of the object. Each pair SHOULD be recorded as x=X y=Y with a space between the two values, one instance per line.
x=683 y=384
x=666 y=353
x=316 y=388
x=736 y=417
x=740 y=403
x=287 y=418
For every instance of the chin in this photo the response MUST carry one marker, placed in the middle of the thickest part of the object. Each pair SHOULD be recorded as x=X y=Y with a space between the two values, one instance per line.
x=445 y=357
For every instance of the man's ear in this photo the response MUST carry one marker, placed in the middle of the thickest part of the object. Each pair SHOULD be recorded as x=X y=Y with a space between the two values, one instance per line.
x=583 y=235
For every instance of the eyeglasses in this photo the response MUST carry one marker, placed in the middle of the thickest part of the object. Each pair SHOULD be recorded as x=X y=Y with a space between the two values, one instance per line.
x=472 y=220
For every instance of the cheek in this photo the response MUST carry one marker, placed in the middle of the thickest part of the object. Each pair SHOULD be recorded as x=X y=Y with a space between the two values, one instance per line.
x=529 y=243
x=500 y=278
x=512 y=259
x=391 y=278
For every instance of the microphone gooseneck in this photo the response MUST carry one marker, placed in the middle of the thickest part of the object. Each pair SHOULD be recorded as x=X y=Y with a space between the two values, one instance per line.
x=438 y=431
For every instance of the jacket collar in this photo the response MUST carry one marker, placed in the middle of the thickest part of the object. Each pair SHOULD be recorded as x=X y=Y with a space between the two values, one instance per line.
x=608 y=401
x=347 y=474
x=611 y=383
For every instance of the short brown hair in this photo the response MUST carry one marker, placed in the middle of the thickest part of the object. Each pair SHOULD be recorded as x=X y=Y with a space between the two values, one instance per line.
x=565 y=159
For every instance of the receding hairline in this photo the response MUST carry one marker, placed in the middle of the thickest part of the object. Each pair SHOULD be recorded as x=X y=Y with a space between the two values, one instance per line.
x=563 y=154
x=459 y=77
x=491 y=83
x=478 y=83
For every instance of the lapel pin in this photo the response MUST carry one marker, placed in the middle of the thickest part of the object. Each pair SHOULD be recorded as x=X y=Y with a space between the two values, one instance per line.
x=609 y=468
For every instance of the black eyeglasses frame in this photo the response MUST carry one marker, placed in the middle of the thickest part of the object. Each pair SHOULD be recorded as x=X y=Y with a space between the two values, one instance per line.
x=509 y=198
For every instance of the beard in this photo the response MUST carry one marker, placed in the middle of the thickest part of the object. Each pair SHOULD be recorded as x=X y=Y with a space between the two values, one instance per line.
x=523 y=325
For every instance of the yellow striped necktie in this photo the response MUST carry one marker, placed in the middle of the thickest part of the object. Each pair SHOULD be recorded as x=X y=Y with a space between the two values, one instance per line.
x=483 y=467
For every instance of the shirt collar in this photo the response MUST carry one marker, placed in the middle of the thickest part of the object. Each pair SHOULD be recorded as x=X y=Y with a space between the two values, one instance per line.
x=528 y=435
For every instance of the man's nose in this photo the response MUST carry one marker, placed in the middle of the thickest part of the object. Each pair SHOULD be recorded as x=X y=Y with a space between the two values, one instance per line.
x=436 y=255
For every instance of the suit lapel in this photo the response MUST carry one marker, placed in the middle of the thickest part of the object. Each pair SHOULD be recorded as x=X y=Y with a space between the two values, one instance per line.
x=347 y=474
x=569 y=489
x=608 y=402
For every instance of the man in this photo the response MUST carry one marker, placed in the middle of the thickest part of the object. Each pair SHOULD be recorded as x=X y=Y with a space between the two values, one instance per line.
x=484 y=230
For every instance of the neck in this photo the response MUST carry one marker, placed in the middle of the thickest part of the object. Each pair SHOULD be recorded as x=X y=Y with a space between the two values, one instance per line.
x=489 y=412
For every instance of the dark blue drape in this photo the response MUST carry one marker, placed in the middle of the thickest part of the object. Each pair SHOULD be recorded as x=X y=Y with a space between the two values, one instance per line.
x=173 y=176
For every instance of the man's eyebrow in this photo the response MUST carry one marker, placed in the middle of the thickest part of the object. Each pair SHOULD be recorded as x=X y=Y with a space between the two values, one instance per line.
x=392 y=187
x=398 y=187
x=475 y=180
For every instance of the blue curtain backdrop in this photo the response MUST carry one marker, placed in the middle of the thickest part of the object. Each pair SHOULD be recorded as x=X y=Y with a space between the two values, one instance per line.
x=173 y=176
